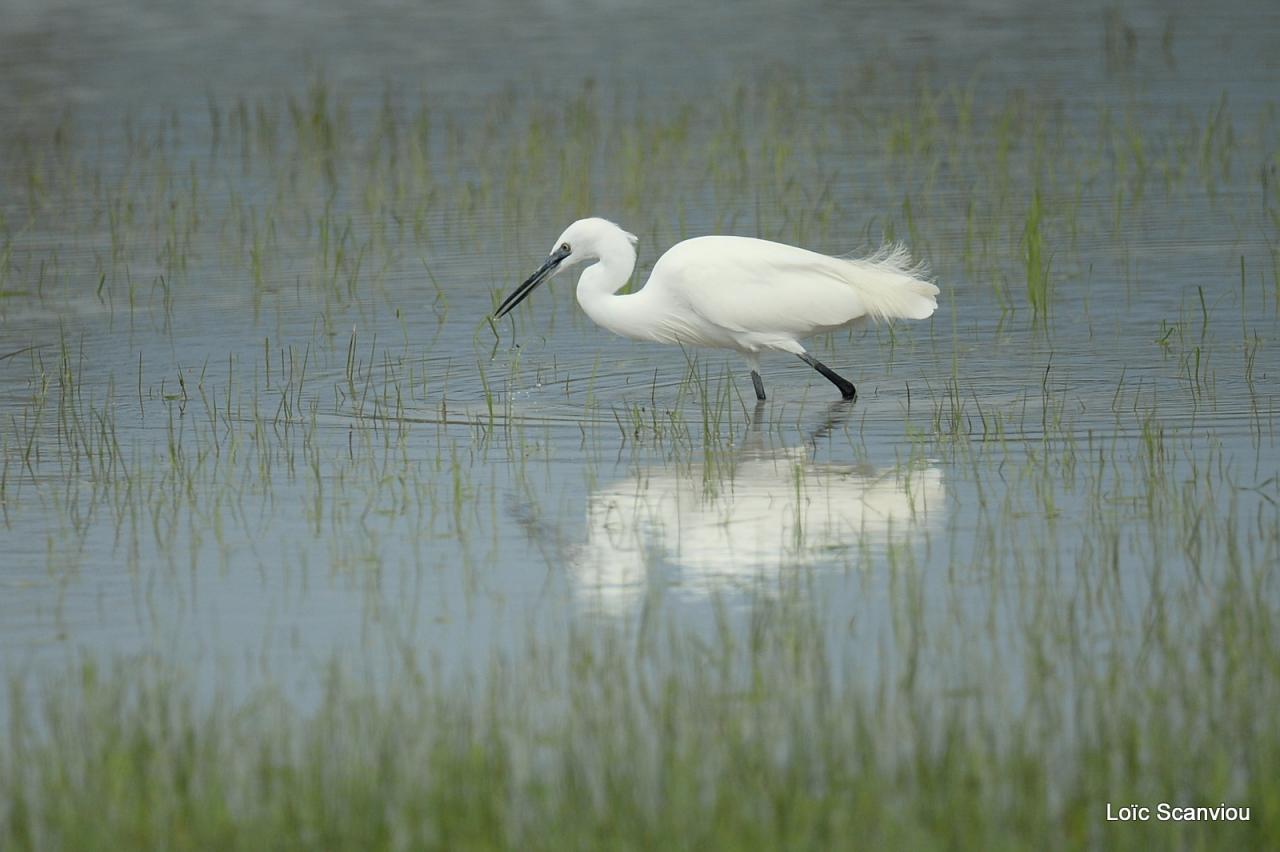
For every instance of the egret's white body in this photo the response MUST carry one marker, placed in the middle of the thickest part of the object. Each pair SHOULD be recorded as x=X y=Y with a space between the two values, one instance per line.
x=736 y=293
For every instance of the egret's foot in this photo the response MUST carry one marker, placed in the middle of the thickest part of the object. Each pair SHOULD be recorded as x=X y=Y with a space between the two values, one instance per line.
x=847 y=390
x=759 y=385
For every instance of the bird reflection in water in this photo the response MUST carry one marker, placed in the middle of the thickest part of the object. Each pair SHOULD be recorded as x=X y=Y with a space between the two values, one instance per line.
x=697 y=532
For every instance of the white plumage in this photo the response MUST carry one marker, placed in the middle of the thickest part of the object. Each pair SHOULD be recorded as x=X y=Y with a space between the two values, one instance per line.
x=736 y=293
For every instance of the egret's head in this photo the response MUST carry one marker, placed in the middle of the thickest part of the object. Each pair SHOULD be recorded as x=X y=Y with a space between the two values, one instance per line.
x=590 y=239
x=584 y=240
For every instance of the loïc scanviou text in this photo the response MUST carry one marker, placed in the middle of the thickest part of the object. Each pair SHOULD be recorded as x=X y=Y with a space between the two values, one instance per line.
x=1166 y=812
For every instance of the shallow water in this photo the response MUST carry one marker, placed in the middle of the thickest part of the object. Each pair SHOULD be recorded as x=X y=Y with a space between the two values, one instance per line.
x=251 y=447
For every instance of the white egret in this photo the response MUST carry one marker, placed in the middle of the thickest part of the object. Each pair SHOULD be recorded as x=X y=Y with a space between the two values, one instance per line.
x=737 y=293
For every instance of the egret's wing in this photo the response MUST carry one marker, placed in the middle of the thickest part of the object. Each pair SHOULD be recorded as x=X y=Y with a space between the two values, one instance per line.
x=746 y=285
x=751 y=286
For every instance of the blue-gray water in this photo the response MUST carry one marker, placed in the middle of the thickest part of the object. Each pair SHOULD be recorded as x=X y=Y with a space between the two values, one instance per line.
x=298 y=468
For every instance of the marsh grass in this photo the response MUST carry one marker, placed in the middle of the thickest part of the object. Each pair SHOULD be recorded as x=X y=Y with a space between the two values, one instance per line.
x=644 y=736
x=1037 y=263
x=1091 y=619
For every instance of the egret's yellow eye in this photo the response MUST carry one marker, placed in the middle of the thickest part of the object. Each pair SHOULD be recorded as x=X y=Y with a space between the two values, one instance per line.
x=564 y=247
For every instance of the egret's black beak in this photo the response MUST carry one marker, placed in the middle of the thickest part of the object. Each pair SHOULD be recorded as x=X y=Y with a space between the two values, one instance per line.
x=531 y=283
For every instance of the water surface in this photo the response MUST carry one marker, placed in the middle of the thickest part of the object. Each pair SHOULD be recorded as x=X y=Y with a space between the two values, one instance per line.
x=254 y=418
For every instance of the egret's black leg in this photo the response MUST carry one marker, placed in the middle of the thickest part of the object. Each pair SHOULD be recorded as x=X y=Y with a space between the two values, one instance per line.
x=755 y=380
x=847 y=390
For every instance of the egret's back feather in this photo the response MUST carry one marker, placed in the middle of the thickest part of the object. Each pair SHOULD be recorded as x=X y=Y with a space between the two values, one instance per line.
x=892 y=286
x=754 y=294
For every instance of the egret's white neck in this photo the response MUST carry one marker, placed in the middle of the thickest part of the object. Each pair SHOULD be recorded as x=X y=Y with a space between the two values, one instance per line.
x=598 y=287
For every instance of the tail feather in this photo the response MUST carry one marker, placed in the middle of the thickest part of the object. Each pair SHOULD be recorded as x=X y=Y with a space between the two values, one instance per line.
x=892 y=285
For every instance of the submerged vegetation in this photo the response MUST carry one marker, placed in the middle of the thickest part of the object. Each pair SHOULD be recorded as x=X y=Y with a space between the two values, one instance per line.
x=300 y=194
x=636 y=739
x=307 y=553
